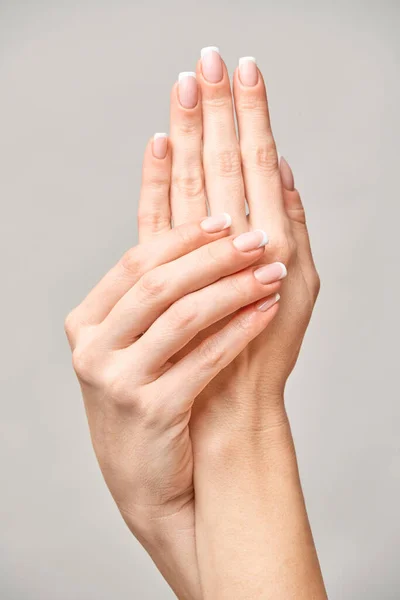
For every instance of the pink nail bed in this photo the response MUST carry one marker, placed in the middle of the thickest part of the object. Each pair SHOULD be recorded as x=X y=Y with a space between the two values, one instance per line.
x=248 y=72
x=211 y=64
x=251 y=240
x=216 y=223
x=160 y=145
x=188 y=91
x=264 y=305
x=270 y=273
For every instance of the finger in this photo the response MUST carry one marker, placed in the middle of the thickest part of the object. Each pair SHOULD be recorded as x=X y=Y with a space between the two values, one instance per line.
x=193 y=313
x=188 y=199
x=139 y=260
x=162 y=286
x=216 y=352
x=259 y=157
x=221 y=155
x=154 y=215
x=296 y=213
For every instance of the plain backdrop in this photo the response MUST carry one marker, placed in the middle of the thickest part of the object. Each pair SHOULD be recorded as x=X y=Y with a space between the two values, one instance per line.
x=82 y=87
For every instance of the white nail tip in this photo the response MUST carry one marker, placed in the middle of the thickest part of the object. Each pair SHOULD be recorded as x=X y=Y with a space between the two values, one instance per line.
x=264 y=240
x=246 y=59
x=284 y=270
x=228 y=220
x=157 y=136
x=269 y=303
x=209 y=49
x=186 y=74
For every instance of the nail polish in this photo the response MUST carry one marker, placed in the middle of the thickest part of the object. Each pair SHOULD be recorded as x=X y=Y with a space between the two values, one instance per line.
x=270 y=273
x=264 y=305
x=160 y=145
x=216 y=223
x=211 y=64
x=248 y=72
x=286 y=174
x=251 y=240
x=188 y=91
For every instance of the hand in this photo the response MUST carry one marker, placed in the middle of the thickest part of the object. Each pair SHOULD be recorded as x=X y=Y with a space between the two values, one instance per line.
x=125 y=337
x=241 y=412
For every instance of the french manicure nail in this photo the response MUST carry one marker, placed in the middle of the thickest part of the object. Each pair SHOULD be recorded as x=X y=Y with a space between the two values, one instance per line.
x=188 y=92
x=216 y=223
x=264 y=305
x=286 y=174
x=251 y=240
x=248 y=71
x=270 y=273
x=160 y=145
x=211 y=64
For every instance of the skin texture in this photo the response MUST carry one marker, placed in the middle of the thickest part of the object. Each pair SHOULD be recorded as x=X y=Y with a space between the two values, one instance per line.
x=125 y=337
x=185 y=301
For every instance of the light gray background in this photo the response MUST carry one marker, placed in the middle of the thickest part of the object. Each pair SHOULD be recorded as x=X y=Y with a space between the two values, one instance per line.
x=83 y=85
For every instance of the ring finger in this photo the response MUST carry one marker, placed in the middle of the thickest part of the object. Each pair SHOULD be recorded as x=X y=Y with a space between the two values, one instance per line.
x=188 y=199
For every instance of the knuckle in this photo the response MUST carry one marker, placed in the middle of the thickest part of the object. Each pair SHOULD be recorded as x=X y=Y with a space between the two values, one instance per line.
x=282 y=247
x=241 y=284
x=119 y=391
x=262 y=157
x=71 y=323
x=217 y=99
x=187 y=234
x=189 y=127
x=84 y=363
x=253 y=103
x=153 y=177
x=212 y=354
x=153 y=220
x=190 y=186
x=153 y=283
x=211 y=254
x=183 y=313
x=243 y=324
x=227 y=163
x=131 y=261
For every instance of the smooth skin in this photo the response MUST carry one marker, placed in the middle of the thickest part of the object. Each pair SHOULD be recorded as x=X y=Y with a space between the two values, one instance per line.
x=187 y=302
x=125 y=337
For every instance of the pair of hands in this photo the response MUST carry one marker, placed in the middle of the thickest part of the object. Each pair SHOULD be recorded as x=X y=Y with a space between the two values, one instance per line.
x=184 y=347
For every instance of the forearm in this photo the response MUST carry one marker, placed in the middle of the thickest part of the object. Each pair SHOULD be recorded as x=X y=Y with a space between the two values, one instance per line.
x=252 y=530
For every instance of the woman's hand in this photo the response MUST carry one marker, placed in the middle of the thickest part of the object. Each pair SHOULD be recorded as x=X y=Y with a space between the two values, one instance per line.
x=252 y=531
x=138 y=395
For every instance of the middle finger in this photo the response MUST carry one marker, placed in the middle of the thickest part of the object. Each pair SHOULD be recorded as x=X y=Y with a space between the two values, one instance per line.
x=221 y=154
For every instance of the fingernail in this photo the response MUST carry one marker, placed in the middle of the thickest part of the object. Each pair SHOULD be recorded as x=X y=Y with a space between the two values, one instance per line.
x=248 y=71
x=160 y=145
x=216 y=223
x=211 y=64
x=188 y=93
x=270 y=273
x=264 y=305
x=286 y=174
x=251 y=240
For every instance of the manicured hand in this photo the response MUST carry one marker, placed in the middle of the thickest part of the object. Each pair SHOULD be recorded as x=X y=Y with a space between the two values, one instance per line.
x=138 y=395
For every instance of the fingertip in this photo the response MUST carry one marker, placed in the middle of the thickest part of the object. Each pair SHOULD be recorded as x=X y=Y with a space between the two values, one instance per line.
x=286 y=174
x=160 y=146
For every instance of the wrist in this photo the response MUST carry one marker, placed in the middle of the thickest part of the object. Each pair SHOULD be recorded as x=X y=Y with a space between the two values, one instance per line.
x=167 y=534
x=250 y=512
